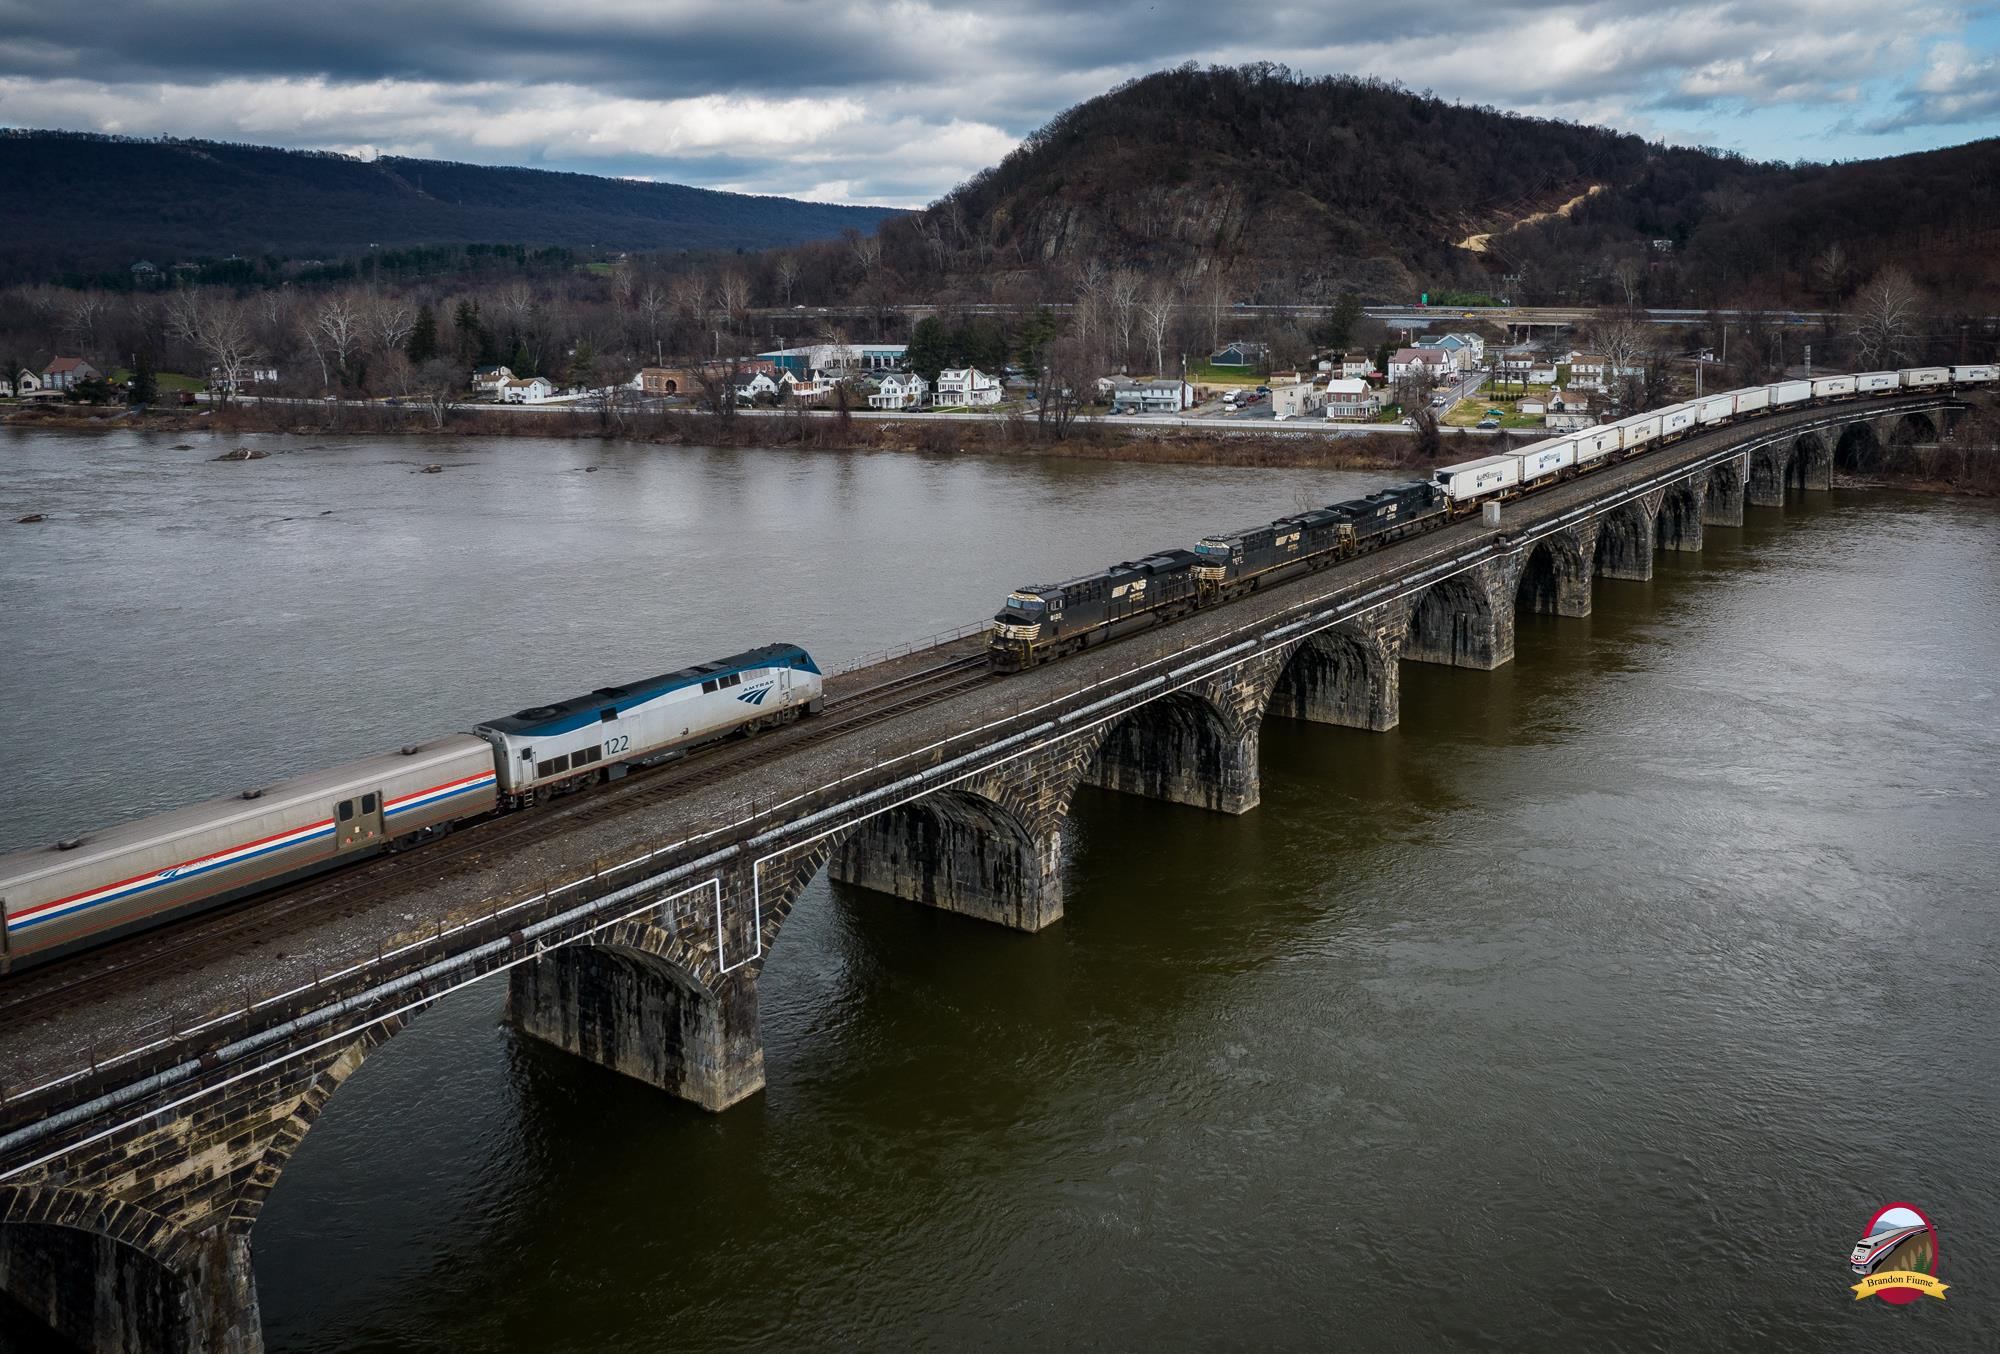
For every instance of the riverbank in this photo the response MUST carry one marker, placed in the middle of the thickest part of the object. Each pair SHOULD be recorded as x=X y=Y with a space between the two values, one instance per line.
x=995 y=437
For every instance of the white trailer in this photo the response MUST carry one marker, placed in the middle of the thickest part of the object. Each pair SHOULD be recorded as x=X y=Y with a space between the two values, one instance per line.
x=1637 y=432
x=1595 y=444
x=1751 y=400
x=1546 y=460
x=1676 y=419
x=1715 y=408
x=1972 y=376
x=1827 y=387
x=1877 y=382
x=1789 y=392
x=1478 y=479
x=1924 y=378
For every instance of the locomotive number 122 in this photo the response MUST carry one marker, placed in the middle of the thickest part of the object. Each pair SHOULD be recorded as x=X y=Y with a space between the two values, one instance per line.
x=614 y=746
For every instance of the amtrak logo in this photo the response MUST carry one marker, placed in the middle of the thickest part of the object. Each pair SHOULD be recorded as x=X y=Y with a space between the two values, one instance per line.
x=755 y=695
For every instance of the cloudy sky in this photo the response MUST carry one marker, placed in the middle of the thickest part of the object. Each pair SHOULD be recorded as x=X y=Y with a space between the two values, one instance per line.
x=893 y=101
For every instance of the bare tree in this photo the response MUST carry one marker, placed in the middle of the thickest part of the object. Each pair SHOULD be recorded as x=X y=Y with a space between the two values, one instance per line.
x=435 y=387
x=1157 y=311
x=786 y=271
x=218 y=327
x=715 y=386
x=1628 y=272
x=1623 y=341
x=1064 y=376
x=337 y=322
x=733 y=293
x=1885 y=319
x=1413 y=391
x=1124 y=293
x=1215 y=302
x=652 y=301
x=1830 y=271
x=85 y=312
x=389 y=322
x=867 y=252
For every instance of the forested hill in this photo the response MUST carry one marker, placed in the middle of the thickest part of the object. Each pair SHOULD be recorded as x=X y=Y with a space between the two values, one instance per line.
x=77 y=202
x=1290 y=186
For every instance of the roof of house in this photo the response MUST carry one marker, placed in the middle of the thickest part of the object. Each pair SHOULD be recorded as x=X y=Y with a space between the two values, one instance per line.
x=531 y=380
x=1348 y=386
x=1423 y=355
x=58 y=364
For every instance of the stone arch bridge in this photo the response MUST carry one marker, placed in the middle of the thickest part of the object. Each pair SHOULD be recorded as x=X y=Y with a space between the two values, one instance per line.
x=129 y=1185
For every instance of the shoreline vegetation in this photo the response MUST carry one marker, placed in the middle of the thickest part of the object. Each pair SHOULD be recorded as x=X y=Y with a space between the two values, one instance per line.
x=1977 y=476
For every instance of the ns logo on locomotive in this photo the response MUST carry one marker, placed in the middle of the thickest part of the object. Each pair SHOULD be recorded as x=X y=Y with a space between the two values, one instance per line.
x=84 y=890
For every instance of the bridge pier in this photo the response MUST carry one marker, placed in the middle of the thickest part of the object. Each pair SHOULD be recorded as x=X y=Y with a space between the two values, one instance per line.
x=1350 y=675
x=1769 y=468
x=1722 y=500
x=95 y=1291
x=626 y=1008
x=1464 y=621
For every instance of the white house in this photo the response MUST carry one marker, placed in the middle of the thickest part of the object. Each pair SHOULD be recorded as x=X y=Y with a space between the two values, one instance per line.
x=1408 y=360
x=1587 y=370
x=1352 y=398
x=1353 y=365
x=488 y=380
x=757 y=383
x=1289 y=399
x=529 y=390
x=26 y=382
x=899 y=390
x=1152 y=397
x=966 y=386
x=1532 y=404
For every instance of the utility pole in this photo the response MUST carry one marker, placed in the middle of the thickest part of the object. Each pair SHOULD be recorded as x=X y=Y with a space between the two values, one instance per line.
x=1809 y=362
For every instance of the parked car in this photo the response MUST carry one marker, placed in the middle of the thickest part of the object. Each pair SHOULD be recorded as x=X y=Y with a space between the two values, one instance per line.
x=1489 y=423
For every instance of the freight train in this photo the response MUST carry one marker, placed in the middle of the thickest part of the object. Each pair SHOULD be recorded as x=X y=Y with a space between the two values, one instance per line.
x=1048 y=620
x=85 y=890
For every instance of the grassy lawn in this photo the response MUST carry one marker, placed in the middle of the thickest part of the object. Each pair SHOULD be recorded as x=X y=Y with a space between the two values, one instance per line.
x=1203 y=374
x=164 y=380
x=1467 y=413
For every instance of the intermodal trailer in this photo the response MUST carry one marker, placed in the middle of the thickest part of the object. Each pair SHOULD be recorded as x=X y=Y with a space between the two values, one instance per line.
x=1753 y=400
x=1469 y=480
x=1925 y=378
x=1832 y=387
x=1594 y=444
x=90 y=887
x=1972 y=376
x=1715 y=408
x=1546 y=460
x=1676 y=419
x=1878 y=382
x=1789 y=392
x=1634 y=433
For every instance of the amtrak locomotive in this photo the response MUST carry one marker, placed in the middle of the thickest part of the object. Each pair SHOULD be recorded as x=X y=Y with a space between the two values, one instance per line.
x=1047 y=620
x=86 y=889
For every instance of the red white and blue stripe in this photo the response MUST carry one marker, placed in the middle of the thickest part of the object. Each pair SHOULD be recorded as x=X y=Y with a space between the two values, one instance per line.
x=126 y=889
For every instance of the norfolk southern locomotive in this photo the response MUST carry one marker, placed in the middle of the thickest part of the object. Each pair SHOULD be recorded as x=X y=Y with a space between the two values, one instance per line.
x=86 y=889
x=1047 y=620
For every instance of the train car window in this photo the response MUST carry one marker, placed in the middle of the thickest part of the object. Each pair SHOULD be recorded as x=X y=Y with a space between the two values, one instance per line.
x=585 y=756
x=368 y=803
x=708 y=685
x=608 y=716
x=346 y=809
x=733 y=679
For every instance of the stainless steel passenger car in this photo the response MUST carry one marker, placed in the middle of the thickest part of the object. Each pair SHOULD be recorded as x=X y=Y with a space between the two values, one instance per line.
x=85 y=889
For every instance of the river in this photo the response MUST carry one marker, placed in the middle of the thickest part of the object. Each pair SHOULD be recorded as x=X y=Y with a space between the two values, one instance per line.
x=1597 y=1006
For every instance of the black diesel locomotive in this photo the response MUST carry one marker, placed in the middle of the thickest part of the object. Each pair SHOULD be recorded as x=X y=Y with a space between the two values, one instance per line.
x=1048 y=620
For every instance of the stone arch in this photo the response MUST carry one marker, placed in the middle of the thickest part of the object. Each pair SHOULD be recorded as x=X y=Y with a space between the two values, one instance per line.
x=1456 y=621
x=1338 y=676
x=960 y=851
x=1914 y=428
x=1859 y=447
x=1180 y=747
x=1769 y=468
x=1811 y=465
x=1624 y=544
x=1554 y=581
x=1722 y=498
x=1677 y=525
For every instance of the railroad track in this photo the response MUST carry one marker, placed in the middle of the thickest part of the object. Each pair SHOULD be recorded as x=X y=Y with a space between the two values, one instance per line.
x=42 y=995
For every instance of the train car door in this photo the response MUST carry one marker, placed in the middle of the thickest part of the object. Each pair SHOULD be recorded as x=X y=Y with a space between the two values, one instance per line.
x=357 y=821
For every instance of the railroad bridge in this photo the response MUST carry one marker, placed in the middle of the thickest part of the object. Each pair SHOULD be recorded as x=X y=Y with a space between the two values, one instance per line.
x=143 y=1125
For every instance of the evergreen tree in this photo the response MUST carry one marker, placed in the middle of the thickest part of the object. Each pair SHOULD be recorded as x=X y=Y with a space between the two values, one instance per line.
x=583 y=365
x=930 y=349
x=423 y=345
x=1035 y=333
x=522 y=364
x=144 y=389
x=1340 y=324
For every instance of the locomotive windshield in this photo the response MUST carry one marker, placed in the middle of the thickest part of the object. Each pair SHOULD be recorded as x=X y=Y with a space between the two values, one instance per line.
x=1029 y=606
